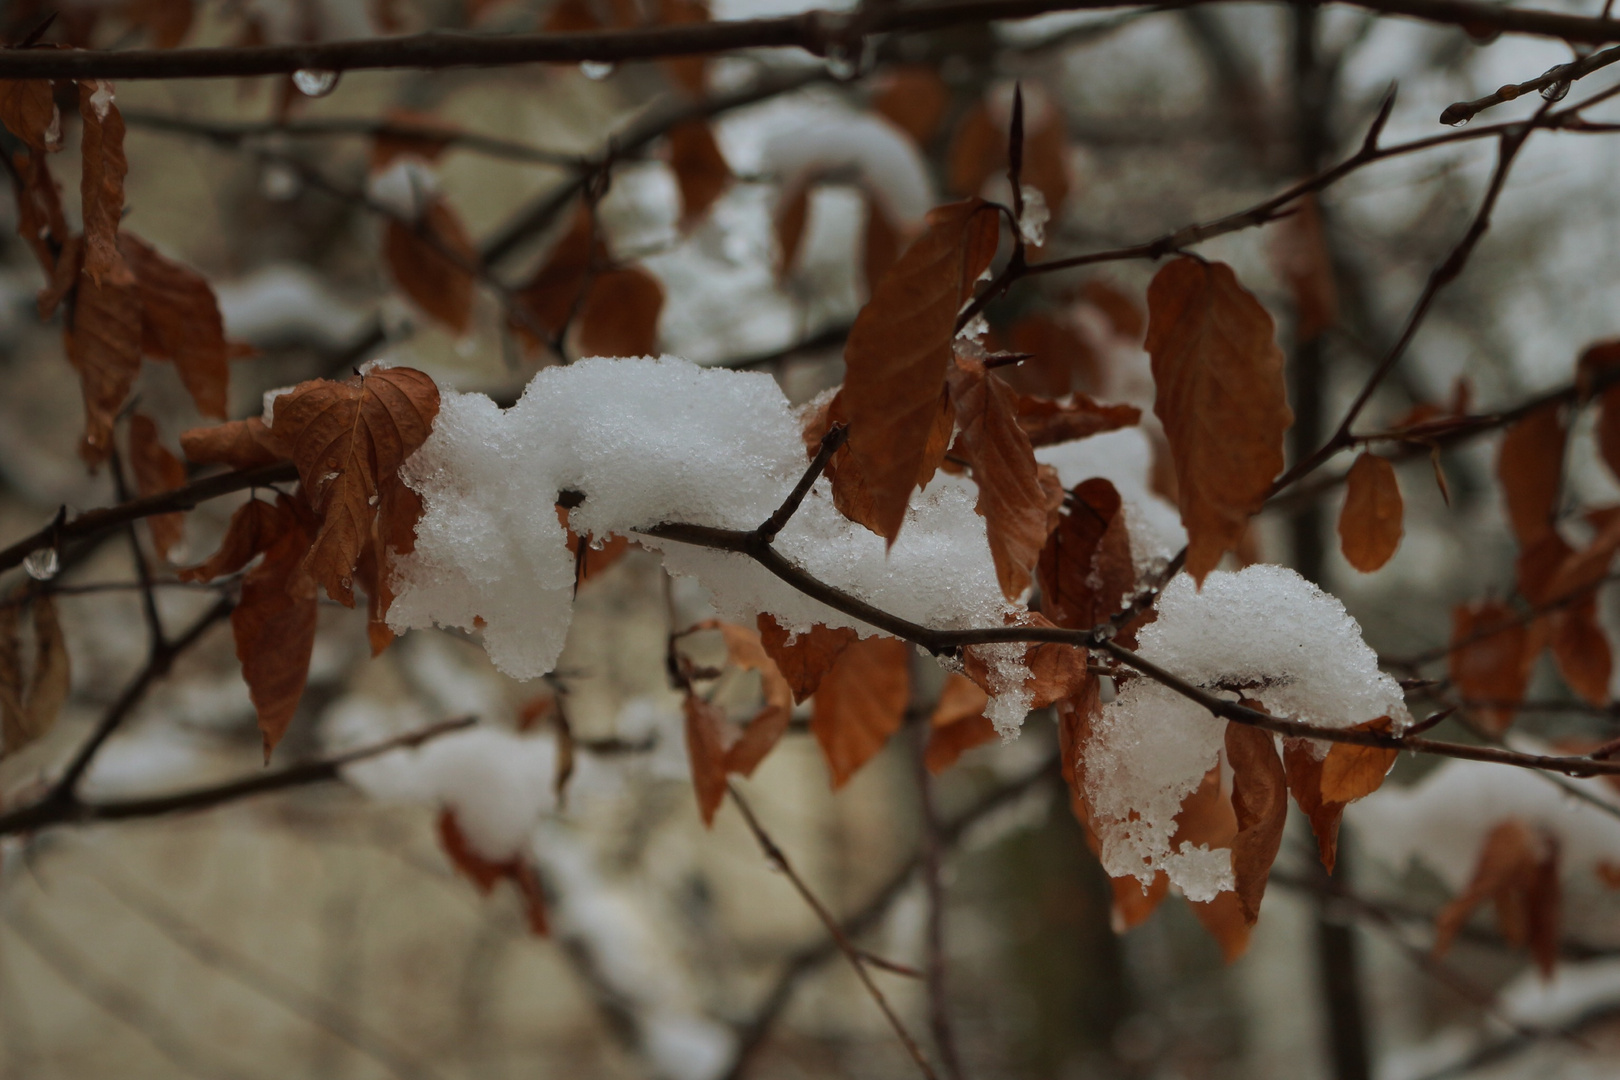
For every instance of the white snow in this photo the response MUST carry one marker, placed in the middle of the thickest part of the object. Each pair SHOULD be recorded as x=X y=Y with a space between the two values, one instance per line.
x=840 y=143
x=1125 y=459
x=648 y=441
x=1286 y=642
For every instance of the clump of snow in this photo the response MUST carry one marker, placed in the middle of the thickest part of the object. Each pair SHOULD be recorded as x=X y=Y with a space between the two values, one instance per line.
x=841 y=143
x=1032 y=223
x=648 y=441
x=1288 y=645
x=1442 y=821
x=405 y=187
x=283 y=302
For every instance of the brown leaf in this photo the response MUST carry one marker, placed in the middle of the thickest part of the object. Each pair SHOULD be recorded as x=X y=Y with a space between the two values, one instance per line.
x=1056 y=671
x=1581 y=649
x=1046 y=161
x=958 y=723
x=1120 y=310
x=745 y=649
x=1010 y=500
x=1299 y=253
x=393 y=535
x=1603 y=358
x=1134 y=902
x=1351 y=772
x=898 y=353
x=103 y=342
x=860 y=703
x=28 y=109
x=705 y=746
x=1492 y=655
x=805 y=660
x=1048 y=423
x=550 y=297
x=1060 y=361
x=241 y=444
x=620 y=314
x=1303 y=770
x=274 y=624
x=101 y=184
x=1207 y=819
x=485 y=873
x=348 y=439
x=701 y=171
x=792 y=213
x=1086 y=568
x=914 y=98
x=180 y=321
x=1222 y=400
x=1225 y=921
x=29 y=708
x=435 y=264
x=156 y=471
x=1530 y=467
x=1260 y=803
x=254 y=528
x=1517 y=870
x=1370 y=524
x=977 y=152
x=596 y=560
x=40 y=222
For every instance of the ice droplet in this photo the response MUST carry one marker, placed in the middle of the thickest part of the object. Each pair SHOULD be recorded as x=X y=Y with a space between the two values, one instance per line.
x=1555 y=91
x=1461 y=121
x=846 y=61
x=43 y=564
x=597 y=70
x=315 y=82
x=372 y=501
x=1032 y=225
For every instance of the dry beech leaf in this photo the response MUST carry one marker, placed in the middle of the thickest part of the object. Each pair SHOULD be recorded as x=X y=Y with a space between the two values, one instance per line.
x=705 y=746
x=746 y=650
x=701 y=172
x=1530 y=467
x=803 y=659
x=913 y=98
x=156 y=471
x=1599 y=360
x=393 y=534
x=274 y=624
x=1517 y=870
x=958 y=723
x=485 y=873
x=1221 y=397
x=1086 y=568
x=1060 y=359
x=899 y=350
x=596 y=560
x=40 y=221
x=434 y=263
x=1122 y=313
x=860 y=703
x=977 y=152
x=1011 y=499
x=1046 y=165
x=348 y=440
x=28 y=109
x=880 y=243
x=620 y=314
x=1351 y=772
x=1048 y=422
x=1207 y=819
x=103 y=343
x=29 y=707
x=792 y=213
x=253 y=528
x=1260 y=803
x=1134 y=902
x=101 y=184
x=1581 y=649
x=1493 y=652
x=1324 y=786
x=180 y=321
x=550 y=297
x=1056 y=671
x=1370 y=525
x=241 y=444
x=1299 y=254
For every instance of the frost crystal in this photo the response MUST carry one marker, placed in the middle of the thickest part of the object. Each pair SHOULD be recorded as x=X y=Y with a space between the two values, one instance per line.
x=1264 y=630
x=649 y=441
x=1032 y=224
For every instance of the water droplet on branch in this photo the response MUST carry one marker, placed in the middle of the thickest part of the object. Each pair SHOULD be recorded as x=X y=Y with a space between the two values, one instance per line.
x=43 y=564
x=315 y=82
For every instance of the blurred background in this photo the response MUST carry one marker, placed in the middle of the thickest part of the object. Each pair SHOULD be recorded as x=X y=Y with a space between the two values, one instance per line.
x=325 y=932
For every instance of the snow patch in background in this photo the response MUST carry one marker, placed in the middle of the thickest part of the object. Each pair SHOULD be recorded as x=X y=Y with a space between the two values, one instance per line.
x=1295 y=648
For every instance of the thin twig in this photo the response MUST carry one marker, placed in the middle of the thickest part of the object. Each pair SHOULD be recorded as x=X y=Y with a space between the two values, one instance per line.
x=939 y=1013
x=1463 y=111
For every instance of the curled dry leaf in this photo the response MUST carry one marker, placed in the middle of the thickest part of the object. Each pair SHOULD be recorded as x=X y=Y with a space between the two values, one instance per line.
x=433 y=261
x=897 y=356
x=1370 y=525
x=348 y=440
x=486 y=873
x=103 y=343
x=1207 y=819
x=1011 y=499
x=860 y=703
x=1581 y=649
x=978 y=152
x=1517 y=870
x=1351 y=772
x=803 y=659
x=1056 y=671
x=880 y=243
x=1060 y=359
x=1221 y=398
x=1493 y=652
x=180 y=321
x=1602 y=360
x=28 y=110
x=1086 y=567
x=1260 y=803
x=619 y=316
x=241 y=444
x=705 y=747
x=958 y=723
x=1530 y=467
x=101 y=183
x=29 y=706
x=547 y=302
x=274 y=623
x=156 y=471
x=253 y=528
x=1049 y=422
x=1323 y=786
x=40 y=222
x=746 y=650
x=701 y=172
